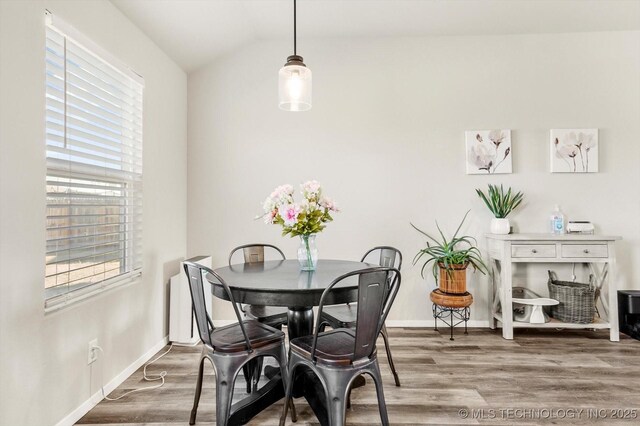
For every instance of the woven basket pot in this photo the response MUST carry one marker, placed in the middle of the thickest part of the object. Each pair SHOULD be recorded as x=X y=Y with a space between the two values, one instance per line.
x=453 y=280
x=451 y=300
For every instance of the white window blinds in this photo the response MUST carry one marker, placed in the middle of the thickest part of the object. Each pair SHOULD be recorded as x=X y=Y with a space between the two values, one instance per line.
x=94 y=170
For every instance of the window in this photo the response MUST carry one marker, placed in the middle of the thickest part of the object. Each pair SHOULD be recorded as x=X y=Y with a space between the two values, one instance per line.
x=94 y=168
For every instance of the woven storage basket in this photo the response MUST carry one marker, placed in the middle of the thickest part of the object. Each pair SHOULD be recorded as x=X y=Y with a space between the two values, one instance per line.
x=577 y=300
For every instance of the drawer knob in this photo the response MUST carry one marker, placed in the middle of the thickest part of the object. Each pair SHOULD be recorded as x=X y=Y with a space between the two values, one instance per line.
x=534 y=251
x=586 y=251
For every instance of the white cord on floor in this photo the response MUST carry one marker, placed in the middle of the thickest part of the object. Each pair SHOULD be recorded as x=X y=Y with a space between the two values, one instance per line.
x=144 y=375
x=187 y=345
x=160 y=376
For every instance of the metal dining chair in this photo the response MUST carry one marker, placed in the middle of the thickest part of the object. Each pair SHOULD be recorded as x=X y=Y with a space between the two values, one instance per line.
x=230 y=347
x=338 y=356
x=344 y=316
x=271 y=315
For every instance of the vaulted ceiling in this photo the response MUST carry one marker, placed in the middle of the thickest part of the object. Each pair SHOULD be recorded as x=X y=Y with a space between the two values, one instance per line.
x=196 y=32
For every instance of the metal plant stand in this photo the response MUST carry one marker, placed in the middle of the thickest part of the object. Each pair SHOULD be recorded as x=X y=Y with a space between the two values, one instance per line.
x=451 y=317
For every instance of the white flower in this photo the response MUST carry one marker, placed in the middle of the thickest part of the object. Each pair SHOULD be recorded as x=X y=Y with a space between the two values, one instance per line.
x=269 y=204
x=570 y=139
x=282 y=195
x=587 y=140
x=310 y=188
x=308 y=206
x=329 y=204
x=497 y=137
x=481 y=156
x=567 y=151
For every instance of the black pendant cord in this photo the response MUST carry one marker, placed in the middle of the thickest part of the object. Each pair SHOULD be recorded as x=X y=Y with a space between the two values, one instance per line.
x=295 y=51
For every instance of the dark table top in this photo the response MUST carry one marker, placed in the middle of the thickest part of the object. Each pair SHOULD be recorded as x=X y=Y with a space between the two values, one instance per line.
x=282 y=283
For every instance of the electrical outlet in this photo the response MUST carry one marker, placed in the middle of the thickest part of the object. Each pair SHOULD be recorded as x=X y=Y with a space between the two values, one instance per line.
x=93 y=352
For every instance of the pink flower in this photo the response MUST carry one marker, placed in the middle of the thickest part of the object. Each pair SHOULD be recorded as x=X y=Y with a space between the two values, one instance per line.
x=289 y=214
x=270 y=216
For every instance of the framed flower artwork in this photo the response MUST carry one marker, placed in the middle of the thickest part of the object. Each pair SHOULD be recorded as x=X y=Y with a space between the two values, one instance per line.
x=488 y=151
x=574 y=150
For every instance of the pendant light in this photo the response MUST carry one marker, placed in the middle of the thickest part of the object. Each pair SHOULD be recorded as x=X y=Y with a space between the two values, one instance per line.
x=294 y=79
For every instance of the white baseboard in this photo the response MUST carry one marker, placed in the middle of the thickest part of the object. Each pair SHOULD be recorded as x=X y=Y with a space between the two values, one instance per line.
x=71 y=418
x=430 y=323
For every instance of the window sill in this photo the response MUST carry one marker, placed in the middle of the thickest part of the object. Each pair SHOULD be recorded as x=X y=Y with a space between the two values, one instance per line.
x=63 y=301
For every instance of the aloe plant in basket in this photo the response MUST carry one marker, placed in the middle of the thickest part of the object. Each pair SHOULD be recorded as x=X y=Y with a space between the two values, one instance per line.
x=449 y=258
x=500 y=203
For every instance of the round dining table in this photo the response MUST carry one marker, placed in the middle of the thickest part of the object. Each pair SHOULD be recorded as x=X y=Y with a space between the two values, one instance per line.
x=282 y=283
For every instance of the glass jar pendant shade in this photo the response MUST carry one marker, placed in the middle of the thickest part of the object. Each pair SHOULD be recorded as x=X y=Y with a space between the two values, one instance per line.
x=294 y=79
x=294 y=85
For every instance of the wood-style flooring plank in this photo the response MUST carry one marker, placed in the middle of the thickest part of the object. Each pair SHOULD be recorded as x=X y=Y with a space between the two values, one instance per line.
x=539 y=370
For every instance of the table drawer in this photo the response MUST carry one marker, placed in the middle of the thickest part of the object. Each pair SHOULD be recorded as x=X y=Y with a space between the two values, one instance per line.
x=585 y=250
x=533 y=250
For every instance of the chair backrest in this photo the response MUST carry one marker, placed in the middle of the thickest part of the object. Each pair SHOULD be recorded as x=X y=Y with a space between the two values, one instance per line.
x=377 y=289
x=195 y=273
x=254 y=253
x=387 y=256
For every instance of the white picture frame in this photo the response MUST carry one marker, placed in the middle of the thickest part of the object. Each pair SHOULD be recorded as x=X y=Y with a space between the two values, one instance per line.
x=573 y=150
x=488 y=151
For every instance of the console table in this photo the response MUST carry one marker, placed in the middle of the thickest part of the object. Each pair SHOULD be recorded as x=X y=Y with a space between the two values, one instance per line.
x=597 y=251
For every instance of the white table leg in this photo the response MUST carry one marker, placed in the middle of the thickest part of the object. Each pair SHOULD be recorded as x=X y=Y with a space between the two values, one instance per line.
x=505 y=299
x=614 y=332
x=493 y=276
x=600 y=278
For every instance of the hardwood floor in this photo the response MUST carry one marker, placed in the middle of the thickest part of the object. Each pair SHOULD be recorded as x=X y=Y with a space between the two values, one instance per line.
x=540 y=377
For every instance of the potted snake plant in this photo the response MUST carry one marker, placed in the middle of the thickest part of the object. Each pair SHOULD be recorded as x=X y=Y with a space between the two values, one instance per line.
x=501 y=204
x=449 y=259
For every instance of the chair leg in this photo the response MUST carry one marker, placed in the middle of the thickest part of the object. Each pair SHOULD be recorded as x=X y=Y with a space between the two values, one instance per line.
x=385 y=337
x=337 y=390
x=247 y=371
x=284 y=369
x=294 y=415
x=196 y=400
x=225 y=379
x=382 y=406
x=257 y=372
x=287 y=395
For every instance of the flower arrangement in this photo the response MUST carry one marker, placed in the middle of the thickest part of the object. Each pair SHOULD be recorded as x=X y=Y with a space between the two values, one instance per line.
x=304 y=218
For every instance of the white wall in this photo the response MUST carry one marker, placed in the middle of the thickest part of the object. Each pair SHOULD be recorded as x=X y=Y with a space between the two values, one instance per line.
x=386 y=138
x=43 y=365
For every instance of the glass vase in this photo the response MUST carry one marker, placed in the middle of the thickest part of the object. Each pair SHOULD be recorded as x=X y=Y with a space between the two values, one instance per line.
x=308 y=253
